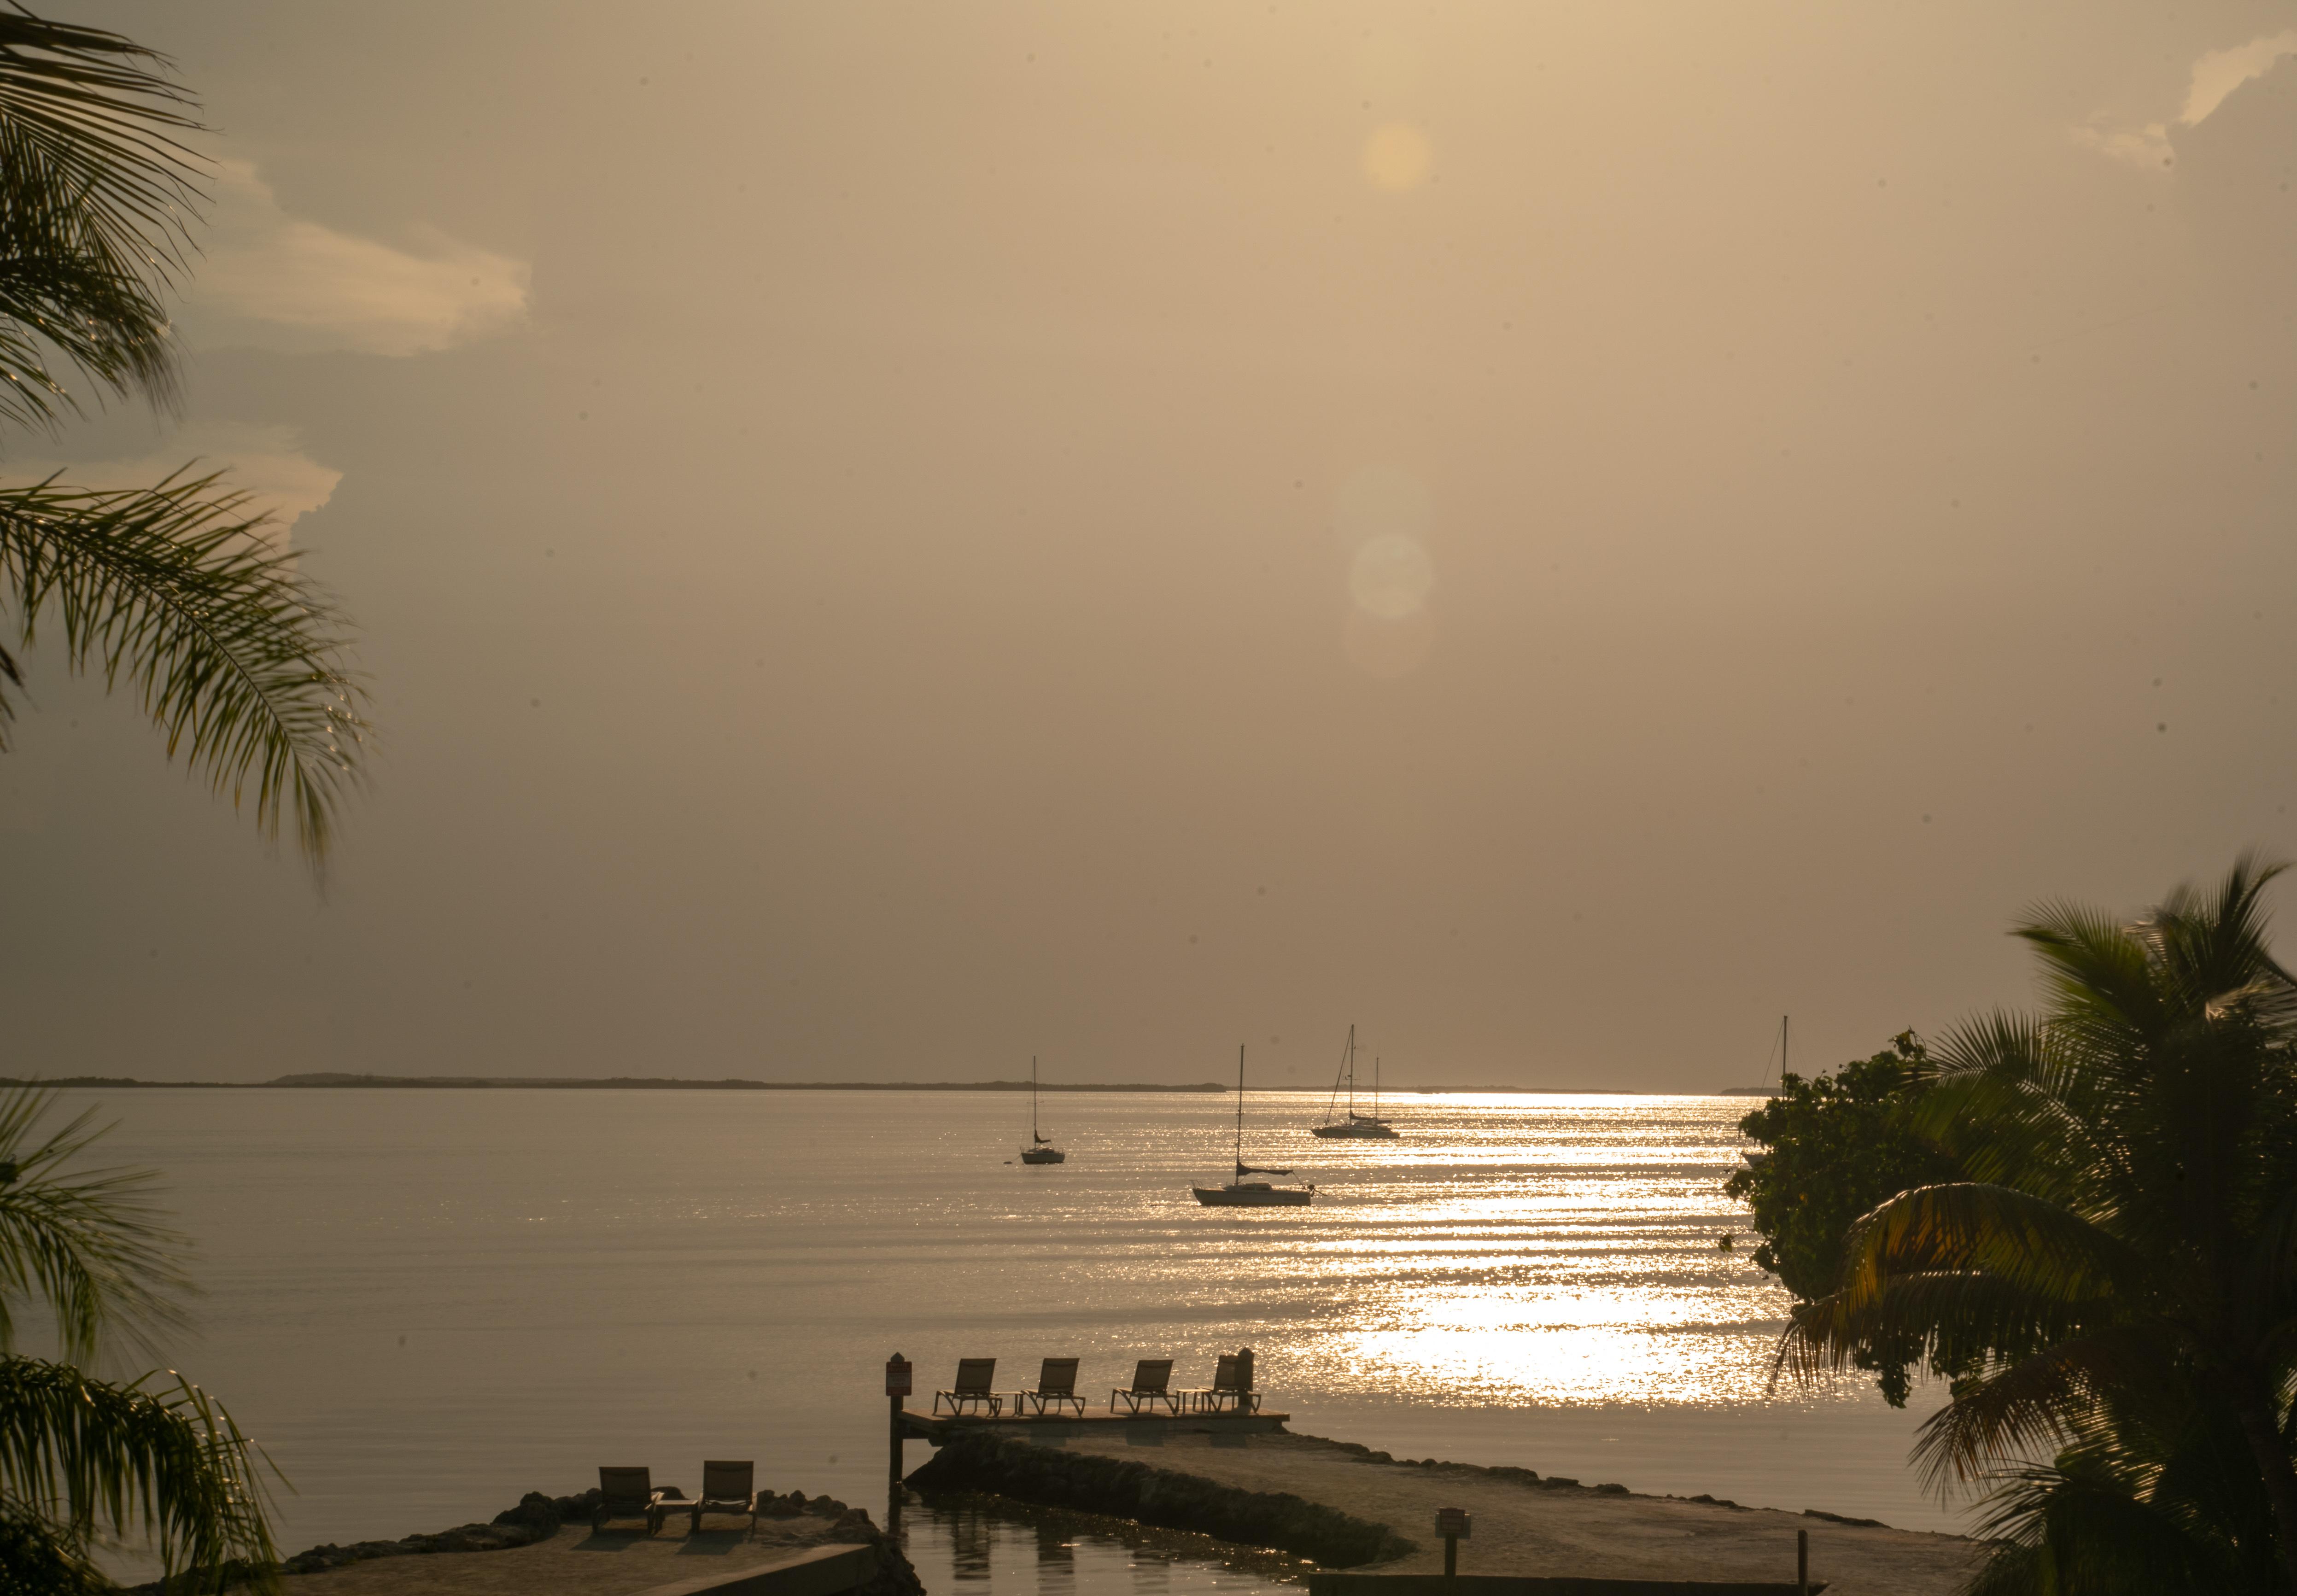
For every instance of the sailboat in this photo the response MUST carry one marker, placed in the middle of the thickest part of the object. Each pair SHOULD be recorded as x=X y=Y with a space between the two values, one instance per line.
x=1041 y=1148
x=1245 y=1192
x=1358 y=1126
x=1768 y=1089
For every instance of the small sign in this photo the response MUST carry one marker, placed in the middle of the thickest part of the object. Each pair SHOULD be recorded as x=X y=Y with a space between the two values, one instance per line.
x=897 y=1376
x=1453 y=1521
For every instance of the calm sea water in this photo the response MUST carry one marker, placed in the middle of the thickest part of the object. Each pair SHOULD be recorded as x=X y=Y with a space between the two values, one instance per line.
x=426 y=1303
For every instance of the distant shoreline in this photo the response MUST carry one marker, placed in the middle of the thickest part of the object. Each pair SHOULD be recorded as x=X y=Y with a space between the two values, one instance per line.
x=327 y=1082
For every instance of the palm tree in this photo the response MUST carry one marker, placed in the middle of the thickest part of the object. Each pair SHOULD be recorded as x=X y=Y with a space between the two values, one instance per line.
x=180 y=593
x=2118 y=1273
x=177 y=590
x=82 y=1458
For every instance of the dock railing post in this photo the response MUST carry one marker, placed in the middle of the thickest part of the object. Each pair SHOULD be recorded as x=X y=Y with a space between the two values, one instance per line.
x=1802 y=1562
x=1454 y=1525
x=897 y=1390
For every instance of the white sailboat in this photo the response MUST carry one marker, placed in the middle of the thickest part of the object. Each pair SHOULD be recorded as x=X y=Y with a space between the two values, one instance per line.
x=1245 y=1192
x=1362 y=1127
x=1041 y=1148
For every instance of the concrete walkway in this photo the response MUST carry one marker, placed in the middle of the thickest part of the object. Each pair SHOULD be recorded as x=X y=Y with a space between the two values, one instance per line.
x=574 y=1562
x=1524 y=1529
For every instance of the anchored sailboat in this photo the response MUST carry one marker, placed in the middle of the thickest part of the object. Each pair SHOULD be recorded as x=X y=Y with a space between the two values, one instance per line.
x=1358 y=1126
x=1245 y=1192
x=1773 y=1085
x=1041 y=1148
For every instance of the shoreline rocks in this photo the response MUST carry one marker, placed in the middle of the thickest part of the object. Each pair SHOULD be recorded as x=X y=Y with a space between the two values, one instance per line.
x=539 y=1518
x=976 y=1461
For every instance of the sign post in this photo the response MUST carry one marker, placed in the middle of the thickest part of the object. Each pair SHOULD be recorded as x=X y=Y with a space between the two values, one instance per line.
x=897 y=1390
x=1455 y=1525
x=1802 y=1562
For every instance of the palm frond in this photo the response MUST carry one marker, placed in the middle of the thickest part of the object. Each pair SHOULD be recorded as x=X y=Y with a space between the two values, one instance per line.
x=2215 y=948
x=98 y=195
x=177 y=590
x=2027 y=1242
x=111 y=122
x=89 y=1244
x=1958 y=1316
x=2073 y=1527
x=2005 y=1104
x=46 y=1558
x=158 y=1455
x=61 y=291
x=2039 y=1402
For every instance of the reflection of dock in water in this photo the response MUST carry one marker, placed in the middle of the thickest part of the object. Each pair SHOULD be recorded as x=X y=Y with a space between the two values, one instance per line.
x=1145 y=1429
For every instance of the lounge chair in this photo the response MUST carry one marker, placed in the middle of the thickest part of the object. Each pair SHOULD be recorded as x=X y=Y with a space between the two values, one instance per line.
x=726 y=1488
x=974 y=1376
x=1228 y=1392
x=628 y=1494
x=1056 y=1384
x=1150 y=1377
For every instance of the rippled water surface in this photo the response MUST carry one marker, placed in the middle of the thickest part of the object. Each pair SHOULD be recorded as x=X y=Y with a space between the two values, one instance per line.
x=426 y=1303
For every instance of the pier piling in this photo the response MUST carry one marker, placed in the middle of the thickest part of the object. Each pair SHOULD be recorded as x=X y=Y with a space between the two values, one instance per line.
x=897 y=1391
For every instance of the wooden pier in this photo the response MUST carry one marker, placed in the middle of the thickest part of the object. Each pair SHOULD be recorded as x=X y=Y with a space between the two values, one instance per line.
x=1232 y=1380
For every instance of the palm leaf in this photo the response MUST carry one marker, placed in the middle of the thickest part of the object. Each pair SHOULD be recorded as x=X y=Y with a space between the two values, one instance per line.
x=1958 y=1316
x=89 y=1245
x=157 y=1455
x=2027 y=1242
x=2041 y=1400
x=2076 y=1528
x=177 y=591
x=97 y=198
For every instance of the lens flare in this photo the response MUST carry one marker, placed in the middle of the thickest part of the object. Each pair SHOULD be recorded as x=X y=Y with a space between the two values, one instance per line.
x=1391 y=577
x=1397 y=156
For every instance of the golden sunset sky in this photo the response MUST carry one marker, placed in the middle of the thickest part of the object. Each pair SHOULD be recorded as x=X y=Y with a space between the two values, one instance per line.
x=892 y=538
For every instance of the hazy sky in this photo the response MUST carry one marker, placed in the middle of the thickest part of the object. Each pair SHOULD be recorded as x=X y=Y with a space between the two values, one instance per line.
x=890 y=538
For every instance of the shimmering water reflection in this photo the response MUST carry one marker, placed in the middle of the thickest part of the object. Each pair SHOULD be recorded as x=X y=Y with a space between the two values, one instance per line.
x=986 y=1547
x=425 y=1303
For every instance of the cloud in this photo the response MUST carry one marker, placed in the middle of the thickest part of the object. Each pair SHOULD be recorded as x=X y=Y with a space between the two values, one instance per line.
x=2146 y=146
x=2215 y=75
x=2236 y=171
x=264 y=463
x=267 y=280
x=2219 y=72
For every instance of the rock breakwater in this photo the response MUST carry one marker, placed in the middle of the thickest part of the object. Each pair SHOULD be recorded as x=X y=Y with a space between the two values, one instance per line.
x=976 y=1461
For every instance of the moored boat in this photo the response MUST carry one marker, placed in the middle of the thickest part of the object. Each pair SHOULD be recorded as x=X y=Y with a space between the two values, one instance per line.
x=1245 y=1192
x=1353 y=1126
x=1041 y=1148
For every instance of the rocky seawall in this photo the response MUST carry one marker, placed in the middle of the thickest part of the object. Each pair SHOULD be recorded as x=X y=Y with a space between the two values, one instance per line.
x=539 y=1518
x=976 y=1461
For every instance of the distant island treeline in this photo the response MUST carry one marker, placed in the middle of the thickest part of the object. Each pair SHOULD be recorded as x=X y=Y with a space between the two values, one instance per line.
x=602 y=1083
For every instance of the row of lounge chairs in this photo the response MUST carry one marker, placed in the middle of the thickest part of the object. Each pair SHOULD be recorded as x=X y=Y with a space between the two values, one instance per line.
x=975 y=1389
x=727 y=1488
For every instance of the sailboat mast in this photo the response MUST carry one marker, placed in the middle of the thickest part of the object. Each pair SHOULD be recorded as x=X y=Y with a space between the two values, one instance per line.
x=1782 y=1050
x=1032 y=1099
x=1352 y=1072
x=1240 y=1111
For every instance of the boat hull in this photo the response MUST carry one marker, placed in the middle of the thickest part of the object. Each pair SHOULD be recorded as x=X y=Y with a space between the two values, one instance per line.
x=1043 y=1155
x=1252 y=1196
x=1359 y=1131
